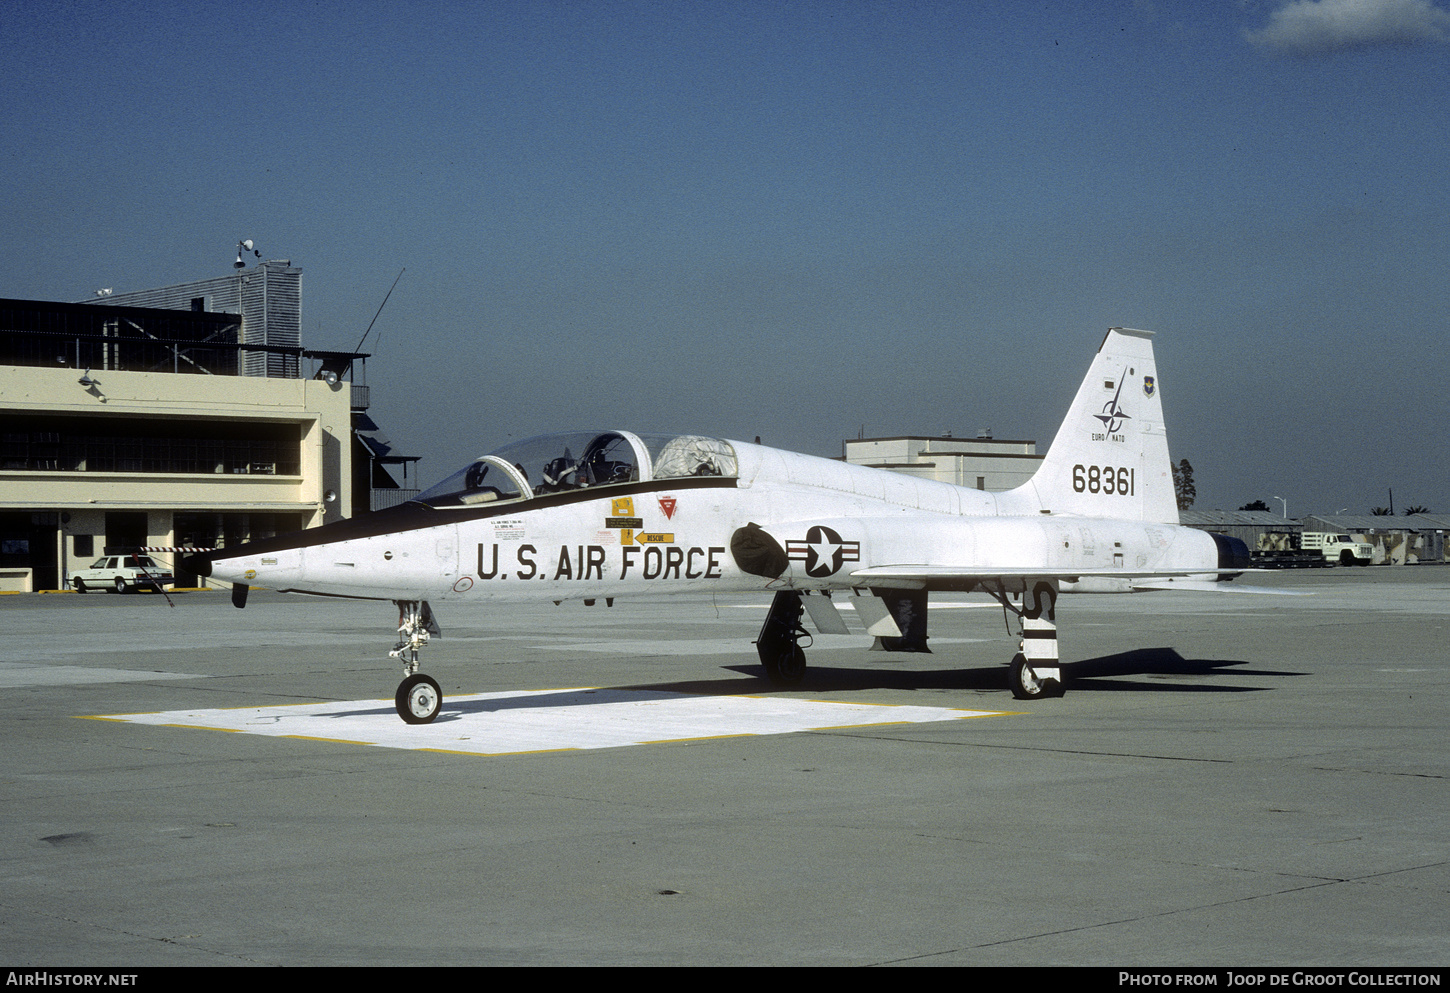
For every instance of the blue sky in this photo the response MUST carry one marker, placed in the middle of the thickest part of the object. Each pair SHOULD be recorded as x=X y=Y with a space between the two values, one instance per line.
x=794 y=220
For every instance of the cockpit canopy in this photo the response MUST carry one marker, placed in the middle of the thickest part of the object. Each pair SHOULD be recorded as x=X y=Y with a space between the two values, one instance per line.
x=555 y=463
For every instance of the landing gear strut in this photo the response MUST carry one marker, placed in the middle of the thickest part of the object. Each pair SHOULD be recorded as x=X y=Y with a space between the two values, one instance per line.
x=419 y=697
x=778 y=643
x=1035 y=671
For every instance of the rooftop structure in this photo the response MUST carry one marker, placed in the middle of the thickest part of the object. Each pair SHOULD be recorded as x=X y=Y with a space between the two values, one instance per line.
x=983 y=463
x=198 y=419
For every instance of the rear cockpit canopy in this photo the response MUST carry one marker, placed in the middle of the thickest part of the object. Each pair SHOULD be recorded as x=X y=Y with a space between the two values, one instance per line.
x=556 y=463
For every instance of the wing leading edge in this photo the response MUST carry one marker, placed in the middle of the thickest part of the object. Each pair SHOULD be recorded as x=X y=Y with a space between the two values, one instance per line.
x=963 y=578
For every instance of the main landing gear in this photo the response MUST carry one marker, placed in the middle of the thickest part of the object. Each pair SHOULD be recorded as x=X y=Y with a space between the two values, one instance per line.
x=419 y=697
x=1035 y=671
x=778 y=643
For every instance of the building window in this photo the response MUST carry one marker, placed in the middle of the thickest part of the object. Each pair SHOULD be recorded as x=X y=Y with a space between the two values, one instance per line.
x=59 y=444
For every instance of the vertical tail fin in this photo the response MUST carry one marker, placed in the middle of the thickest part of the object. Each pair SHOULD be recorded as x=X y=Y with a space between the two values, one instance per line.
x=1110 y=456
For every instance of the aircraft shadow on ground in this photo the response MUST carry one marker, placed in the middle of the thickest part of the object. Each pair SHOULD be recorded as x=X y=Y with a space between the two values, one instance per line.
x=1164 y=669
x=460 y=706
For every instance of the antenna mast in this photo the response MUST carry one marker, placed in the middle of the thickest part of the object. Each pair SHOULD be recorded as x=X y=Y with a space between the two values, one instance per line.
x=380 y=310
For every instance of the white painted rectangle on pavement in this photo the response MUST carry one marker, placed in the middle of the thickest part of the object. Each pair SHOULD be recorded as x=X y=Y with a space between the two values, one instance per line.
x=550 y=720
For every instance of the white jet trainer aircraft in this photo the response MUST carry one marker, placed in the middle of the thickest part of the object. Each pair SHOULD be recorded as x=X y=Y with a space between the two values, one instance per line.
x=609 y=513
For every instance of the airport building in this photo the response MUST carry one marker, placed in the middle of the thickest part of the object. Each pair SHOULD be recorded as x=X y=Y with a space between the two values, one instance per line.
x=1258 y=529
x=983 y=463
x=1399 y=539
x=195 y=420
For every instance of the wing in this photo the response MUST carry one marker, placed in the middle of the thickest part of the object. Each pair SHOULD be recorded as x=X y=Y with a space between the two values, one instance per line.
x=965 y=578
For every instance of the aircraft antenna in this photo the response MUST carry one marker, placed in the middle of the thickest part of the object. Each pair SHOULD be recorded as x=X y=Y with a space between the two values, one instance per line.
x=380 y=311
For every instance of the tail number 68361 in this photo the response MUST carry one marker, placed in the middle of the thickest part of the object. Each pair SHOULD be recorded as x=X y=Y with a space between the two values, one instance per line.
x=1112 y=480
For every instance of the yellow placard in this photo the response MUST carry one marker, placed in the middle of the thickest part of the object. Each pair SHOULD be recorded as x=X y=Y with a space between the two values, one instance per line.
x=623 y=506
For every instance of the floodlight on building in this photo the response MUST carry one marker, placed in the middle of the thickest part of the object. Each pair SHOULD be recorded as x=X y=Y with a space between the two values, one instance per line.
x=243 y=247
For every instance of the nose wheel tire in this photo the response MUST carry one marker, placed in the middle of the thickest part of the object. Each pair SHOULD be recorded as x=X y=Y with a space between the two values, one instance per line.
x=419 y=699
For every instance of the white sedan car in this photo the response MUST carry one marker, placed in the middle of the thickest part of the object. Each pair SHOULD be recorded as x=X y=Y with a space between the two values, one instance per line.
x=120 y=573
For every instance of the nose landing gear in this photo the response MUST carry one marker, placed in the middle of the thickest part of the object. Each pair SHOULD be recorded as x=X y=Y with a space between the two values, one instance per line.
x=419 y=698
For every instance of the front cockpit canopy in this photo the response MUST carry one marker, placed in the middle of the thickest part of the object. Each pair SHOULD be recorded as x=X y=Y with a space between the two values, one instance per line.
x=557 y=463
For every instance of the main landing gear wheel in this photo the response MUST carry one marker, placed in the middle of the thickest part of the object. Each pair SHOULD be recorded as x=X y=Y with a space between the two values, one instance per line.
x=1025 y=684
x=419 y=699
x=787 y=667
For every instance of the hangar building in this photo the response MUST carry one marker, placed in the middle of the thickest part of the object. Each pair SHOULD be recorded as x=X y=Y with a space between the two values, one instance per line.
x=983 y=463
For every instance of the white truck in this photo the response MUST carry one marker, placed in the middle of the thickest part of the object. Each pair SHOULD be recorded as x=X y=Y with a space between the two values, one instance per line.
x=1340 y=548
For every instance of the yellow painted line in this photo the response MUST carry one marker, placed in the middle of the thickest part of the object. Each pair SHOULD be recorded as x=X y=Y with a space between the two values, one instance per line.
x=847 y=727
x=496 y=755
x=703 y=737
x=852 y=703
x=313 y=737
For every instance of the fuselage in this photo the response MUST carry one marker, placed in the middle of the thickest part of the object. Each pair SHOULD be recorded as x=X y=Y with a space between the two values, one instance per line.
x=650 y=523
